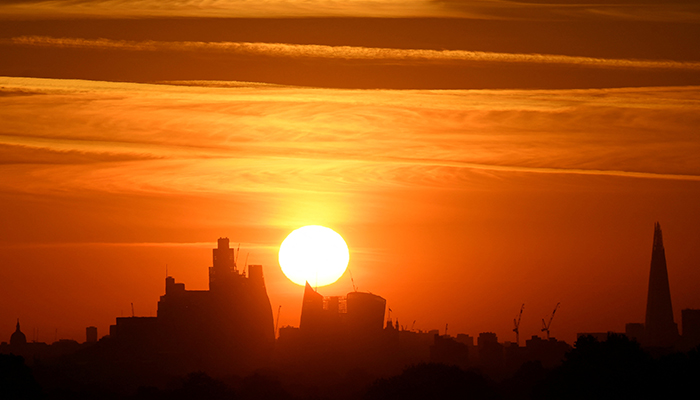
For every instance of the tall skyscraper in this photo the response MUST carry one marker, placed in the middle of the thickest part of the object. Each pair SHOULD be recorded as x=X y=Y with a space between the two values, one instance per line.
x=660 y=330
x=226 y=329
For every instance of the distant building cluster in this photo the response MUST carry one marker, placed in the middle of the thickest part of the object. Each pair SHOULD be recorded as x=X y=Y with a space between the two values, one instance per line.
x=229 y=328
x=659 y=330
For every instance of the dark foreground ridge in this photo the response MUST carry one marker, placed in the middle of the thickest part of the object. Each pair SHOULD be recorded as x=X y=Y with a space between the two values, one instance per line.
x=615 y=368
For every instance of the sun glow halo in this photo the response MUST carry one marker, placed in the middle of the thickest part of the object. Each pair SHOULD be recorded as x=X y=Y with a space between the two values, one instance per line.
x=314 y=254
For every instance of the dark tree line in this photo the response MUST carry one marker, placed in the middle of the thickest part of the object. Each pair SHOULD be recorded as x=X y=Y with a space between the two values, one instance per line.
x=612 y=369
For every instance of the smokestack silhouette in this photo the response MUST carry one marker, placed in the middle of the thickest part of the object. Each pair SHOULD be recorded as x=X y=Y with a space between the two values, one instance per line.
x=660 y=330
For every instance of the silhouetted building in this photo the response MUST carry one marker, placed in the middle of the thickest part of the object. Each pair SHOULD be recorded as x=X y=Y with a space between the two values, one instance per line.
x=91 y=334
x=466 y=339
x=447 y=350
x=226 y=328
x=339 y=333
x=319 y=316
x=365 y=313
x=486 y=338
x=140 y=333
x=490 y=351
x=599 y=336
x=18 y=338
x=550 y=352
x=659 y=328
x=691 y=327
x=359 y=315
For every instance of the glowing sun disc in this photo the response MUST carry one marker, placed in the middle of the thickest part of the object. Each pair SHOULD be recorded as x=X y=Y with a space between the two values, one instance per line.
x=315 y=254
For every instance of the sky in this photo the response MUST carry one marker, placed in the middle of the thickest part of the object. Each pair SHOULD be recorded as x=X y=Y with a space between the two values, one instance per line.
x=475 y=155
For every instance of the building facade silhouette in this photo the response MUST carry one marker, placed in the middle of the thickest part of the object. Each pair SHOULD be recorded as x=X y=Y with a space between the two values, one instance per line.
x=659 y=328
x=18 y=338
x=228 y=328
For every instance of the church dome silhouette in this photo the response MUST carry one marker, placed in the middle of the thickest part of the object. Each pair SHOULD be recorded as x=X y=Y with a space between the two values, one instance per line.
x=18 y=337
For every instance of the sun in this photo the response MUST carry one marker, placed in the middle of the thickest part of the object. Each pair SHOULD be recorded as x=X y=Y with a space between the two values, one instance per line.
x=314 y=254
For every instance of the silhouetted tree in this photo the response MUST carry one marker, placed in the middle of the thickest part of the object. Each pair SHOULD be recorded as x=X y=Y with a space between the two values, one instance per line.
x=426 y=381
x=200 y=386
x=614 y=369
x=16 y=379
x=524 y=381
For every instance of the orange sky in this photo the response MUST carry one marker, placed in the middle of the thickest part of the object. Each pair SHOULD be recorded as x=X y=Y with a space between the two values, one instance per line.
x=475 y=155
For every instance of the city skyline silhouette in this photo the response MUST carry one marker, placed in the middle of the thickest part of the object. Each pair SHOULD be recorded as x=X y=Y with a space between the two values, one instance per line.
x=474 y=157
x=228 y=329
x=186 y=315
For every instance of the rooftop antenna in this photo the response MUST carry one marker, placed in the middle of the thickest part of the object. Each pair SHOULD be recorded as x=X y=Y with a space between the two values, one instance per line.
x=132 y=310
x=516 y=322
x=545 y=326
x=277 y=322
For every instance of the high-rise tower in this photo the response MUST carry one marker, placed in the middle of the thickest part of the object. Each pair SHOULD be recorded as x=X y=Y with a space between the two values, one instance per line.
x=660 y=330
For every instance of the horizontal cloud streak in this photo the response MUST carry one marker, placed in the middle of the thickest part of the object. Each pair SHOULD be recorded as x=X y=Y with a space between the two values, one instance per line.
x=349 y=53
x=478 y=9
x=247 y=139
x=546 y=170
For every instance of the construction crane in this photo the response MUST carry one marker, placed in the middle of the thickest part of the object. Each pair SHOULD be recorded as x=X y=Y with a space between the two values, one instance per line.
x=246 y=263
x=545 y=326
x=354 y=288
x=516 y=322
x=277 y=322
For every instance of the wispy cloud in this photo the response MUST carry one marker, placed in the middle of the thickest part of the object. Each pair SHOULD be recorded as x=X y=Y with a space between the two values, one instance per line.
x=223 y=8
x=276 y=140
x=350 y=52
x=645 y=10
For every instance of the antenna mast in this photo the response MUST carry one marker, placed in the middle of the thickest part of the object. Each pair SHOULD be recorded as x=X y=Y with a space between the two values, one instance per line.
x=516 y=322
x=545 y=326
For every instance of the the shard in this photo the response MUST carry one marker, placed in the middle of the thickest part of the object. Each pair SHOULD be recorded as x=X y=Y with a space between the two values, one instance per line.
x=660 y=330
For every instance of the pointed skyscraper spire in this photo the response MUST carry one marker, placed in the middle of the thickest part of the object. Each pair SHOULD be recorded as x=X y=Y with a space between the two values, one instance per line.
x=660 y=330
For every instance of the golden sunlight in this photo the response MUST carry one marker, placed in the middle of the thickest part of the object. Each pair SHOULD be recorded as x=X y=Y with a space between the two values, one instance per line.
x=314 y=254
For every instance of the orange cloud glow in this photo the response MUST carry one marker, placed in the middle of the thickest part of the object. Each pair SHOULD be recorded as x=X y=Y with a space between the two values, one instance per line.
x=479 y=179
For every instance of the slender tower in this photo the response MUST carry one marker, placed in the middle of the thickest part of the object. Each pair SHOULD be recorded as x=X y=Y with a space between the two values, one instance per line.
x=660 y=330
